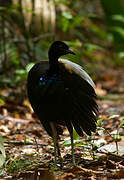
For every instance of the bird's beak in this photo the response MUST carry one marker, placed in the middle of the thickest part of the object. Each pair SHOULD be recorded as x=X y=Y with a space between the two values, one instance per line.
x=70 y=52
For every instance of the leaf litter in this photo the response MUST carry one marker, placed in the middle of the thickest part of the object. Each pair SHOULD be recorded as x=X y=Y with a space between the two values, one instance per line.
x=29 y=150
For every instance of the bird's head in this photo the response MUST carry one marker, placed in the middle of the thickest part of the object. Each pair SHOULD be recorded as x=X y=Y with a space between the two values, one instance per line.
x=58 y=49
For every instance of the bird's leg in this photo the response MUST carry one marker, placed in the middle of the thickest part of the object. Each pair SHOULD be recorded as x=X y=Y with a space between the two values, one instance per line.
x=70 y=129
x=54 y=134
x=59 y=155
x=58 y=150
x=55 y=147
x=72 y=148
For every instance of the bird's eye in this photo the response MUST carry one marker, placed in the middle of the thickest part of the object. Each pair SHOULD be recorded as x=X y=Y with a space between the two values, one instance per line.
x=60 y=46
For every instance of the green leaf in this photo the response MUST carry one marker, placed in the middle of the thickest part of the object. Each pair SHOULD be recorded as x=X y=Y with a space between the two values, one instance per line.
x=121 y=55
x=84 y=146
x=119 y=30
x=89 y=138
x=20 y=71
x=99 y=121
x=117 y=137
x=93 y=47
x=75 y=135
x=2 y=172
x=2 y=101
x=118 y=17
x=113 y=116
x=65 y=24
x=67 y=14
x=122 y=121
x=68 y=142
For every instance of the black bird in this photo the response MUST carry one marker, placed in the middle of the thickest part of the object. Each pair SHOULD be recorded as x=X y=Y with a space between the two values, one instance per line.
x=62 y=94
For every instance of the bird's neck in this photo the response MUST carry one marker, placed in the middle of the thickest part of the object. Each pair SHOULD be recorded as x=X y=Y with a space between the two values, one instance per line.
x=53 y=66
x=53 y=62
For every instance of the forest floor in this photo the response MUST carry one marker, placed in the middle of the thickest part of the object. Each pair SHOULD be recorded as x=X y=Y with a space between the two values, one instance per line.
x=29 y=150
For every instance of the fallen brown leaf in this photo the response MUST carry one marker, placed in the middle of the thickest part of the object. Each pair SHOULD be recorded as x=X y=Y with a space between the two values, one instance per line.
x=66 y=176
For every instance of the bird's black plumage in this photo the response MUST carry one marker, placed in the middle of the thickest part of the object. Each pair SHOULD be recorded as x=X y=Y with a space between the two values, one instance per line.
x=62 y=94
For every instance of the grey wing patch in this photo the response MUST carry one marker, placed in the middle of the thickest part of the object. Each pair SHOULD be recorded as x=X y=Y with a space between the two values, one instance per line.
x=73 y=67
